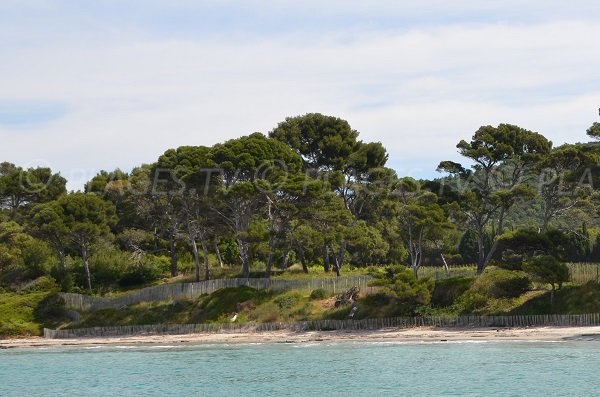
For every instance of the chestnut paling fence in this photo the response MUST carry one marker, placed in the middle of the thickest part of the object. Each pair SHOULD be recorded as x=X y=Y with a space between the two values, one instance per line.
x=580 y=273
x=556 y=320
x=193 y=290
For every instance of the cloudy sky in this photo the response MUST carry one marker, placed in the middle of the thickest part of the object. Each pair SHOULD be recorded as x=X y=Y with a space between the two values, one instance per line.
x=90 y=85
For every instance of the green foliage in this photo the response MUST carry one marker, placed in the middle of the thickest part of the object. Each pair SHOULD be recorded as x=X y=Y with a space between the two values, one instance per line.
x=366 y=244
x=286 y=301
x=42 y=284
x=547 y=269
x=63 y=277
x=13 y=242
x=26 y=313
x=447 y=291
x=403 y=285
x=23 y=188
x=467 y=248
x=501 y=283
x=227 y=299
x=38 y=259
x=141 y=271
x=319 y=293
x=230 y=252
x=108 y=264
x=322 y=141
x=580 y=299
x=594 y=131
x=314 y=194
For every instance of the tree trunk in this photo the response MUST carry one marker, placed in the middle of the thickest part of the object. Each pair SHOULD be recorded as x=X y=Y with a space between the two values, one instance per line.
x=416 y=271
x=481 y=252
x=206 y=262
x=445 y=265
x=303 y=261
x=326 y=264
x=270 y=257
x=336 y=267
x=173 y=252
x=196 y=257
x=218 y=253
x=491 y=253
x=269 y=264
x=340 y=258
x=286 y=260
x=86 y=265
x=63 y=261
x=244 y=258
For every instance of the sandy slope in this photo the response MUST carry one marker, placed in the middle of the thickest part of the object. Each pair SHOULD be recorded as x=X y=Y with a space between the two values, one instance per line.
x=391 y=335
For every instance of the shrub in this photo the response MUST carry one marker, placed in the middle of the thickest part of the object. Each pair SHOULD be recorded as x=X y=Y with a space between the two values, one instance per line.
x=286 y=301
x=230 y=252
x=107 y=265
x=471 y=300
x=547 y=269
x=501 y=283
x=52 y=306
x=447 y=291
x=42 y=284
x=64 y=278
x=403 y=284
x=377 y=299
x=319 y=293
x=38 y=258
x=295 y=269
x=147 y=269
x=269 y=312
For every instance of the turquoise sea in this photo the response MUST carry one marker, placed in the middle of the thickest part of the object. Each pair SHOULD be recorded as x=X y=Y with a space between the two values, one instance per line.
x=307 y=369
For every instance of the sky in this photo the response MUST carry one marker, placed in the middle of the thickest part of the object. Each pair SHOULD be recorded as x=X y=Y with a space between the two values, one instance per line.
x=91 y=85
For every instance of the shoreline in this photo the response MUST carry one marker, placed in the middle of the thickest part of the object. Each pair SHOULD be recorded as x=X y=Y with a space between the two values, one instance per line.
x=410 y=335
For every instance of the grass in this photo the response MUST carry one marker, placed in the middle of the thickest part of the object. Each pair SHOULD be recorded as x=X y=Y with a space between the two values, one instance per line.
x=573 y=299
x=17 y=314
x=250 y=304
x=27 y=312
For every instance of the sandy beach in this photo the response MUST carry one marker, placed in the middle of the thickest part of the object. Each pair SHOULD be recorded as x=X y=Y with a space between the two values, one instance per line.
x=413 y=335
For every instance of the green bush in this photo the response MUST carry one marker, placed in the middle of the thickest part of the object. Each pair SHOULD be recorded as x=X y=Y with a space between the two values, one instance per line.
x=447 y=291
x=319 y=293
x=42 y=284
x=64 y=278
x=267 y=313
x=146 y=270
x=38 y=258
x=471 y=301
x=501 y=283
x=403 y=284
x=547 y=269
x=107 y=265
x=377 y=299
x=286 y=302
x=52 y=306
x=230 y=252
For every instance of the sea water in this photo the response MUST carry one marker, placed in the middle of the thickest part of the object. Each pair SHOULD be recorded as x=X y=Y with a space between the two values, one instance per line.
x=306 y=369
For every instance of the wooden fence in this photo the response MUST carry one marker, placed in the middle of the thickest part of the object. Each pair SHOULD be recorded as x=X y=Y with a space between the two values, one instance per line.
x=557 y=320
x=579 y=273
x=194 y=290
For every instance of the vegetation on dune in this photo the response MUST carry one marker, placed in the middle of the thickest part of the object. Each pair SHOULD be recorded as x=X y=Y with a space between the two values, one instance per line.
x=309 y=199
x=26 y=312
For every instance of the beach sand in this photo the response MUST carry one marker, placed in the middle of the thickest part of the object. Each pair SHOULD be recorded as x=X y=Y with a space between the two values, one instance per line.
x=413 y=335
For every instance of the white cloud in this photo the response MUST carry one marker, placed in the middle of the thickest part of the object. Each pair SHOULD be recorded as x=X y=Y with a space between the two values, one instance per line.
x=418 y=91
